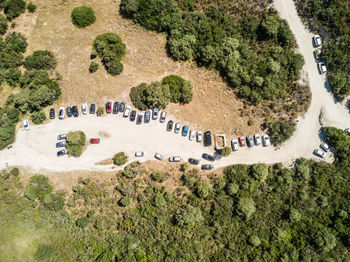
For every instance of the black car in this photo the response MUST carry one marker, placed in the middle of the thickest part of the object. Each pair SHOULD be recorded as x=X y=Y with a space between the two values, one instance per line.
x=207 y=167
x=52 y=113
x=139 y=119
x=122 y=107
x=61 y=143
x=75 y=111
x=207 y=138
x=169 y=126
x=132 y=115
x=193 y=161
x=92 y=109
x=69 y=111
x=208 y=157
x=250 y=141
x=115 y=107
x=62 y=152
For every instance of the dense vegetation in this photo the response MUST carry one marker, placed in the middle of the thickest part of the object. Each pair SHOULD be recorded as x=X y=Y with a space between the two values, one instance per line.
x=83 y=16
x=254 y=54
x=333 y=17
x=75 y=143
x=172 y=89
x=33 y=90
x=110 y=48
x=250 y=213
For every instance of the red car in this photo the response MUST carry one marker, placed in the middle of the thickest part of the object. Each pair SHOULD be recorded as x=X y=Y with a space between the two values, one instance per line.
x=241 y=141
x=109 y=107
x=94 y=140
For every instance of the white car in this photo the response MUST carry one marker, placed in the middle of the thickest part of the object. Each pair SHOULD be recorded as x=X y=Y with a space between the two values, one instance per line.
x=234 y=144
x=192 y=135
x=158 y=156
x=84 y=108
x=139 y=154
x=177 y=128
x=61 y=113
x=266 y=140
x=199 y=136
x=26 y=124
x=174 y=159
x=321 y=67
x=317 y=41
x=127 y=111
x=325 y=147
x=257 y=139
x=320 y=153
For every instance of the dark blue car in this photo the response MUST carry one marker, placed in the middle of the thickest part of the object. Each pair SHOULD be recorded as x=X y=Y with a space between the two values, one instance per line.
x=185 y=130
x=147 y=116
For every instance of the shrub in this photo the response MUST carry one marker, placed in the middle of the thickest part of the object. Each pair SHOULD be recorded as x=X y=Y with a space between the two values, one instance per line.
x=120 y=159
x=75 y=143
x=226 y=151
x=31 y=7
x=83 y=16
x=82 y=222
x=3 y=25
x=38 y=117
x=13 y=8
x=93 y=67
x=124 y=201
x=158 y=176
x=100 y=111
x=279 y=131
x=41 y=59
x=245 y=208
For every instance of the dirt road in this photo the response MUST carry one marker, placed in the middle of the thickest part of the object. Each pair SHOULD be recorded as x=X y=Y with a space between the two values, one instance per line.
x=36 y=150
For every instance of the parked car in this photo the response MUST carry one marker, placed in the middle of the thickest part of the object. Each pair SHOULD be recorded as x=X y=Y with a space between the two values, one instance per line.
x=94 y=141
x=199 y=136
x=62 y=152
x=147 y=116
x=177 y=128
x=26 y=124
x=325 y=147
x=208 y=157
x=207 y=167
x=250 y=141
x=320 y=153
x=241 y=140
x=127 y=111
x=207 y=138
x=139 y=154
x=69 y=111
x=257 y=139
x=139 y=119
x=61 y=144
x=132 y=115
x=192 y=135
x=234 y=144
x=174 y=159
x=84 y=109
x=162 y=117
x=155 y=113
x=158 y=156
x=92 y=109
x=52 y=113
x=61 y=136
x=108 y=107
x=317 y=40
x=61 y=113
x=217 y=155
x=122 y=107
x=347 y=130
x=75 y=111
x=266 y=140
x=185 y=130
x=321 y=67
x=115 y=107
x=169 y=126
x=193 y=161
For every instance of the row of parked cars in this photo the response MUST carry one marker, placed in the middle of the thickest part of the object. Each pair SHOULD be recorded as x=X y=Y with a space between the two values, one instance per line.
x=317 y=53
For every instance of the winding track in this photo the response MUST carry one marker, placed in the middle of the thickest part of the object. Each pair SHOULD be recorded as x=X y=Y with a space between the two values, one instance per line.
x=36 y=149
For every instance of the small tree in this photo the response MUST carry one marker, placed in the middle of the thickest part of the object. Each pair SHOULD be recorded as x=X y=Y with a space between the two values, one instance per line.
x=226 y=151
x=100 y=111
x=120 y=158
x=83 y=16
x=93 y=67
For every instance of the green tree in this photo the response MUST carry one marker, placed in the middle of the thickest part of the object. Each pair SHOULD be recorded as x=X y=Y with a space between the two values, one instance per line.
x=83 y=16
x=120 y=159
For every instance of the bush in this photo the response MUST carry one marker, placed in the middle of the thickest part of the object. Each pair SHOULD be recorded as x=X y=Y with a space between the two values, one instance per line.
x=279 y=131
x=13 y=8
x=110 y=48
x=226 y=151
x=41 y=59
x=82 y=222
x=3 y=25
x=31 y=7
x=38 y=117
x=124 y=201
x=120 y=159
x=75 y=143
x=83 y=16
x=93 y=67
x=100 y=111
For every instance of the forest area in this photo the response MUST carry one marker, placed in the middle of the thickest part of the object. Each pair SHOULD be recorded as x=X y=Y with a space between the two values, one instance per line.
x=245 y=213
x=333 y=18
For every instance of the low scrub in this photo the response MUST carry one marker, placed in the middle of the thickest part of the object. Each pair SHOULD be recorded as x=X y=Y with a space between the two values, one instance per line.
x=75 y=143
